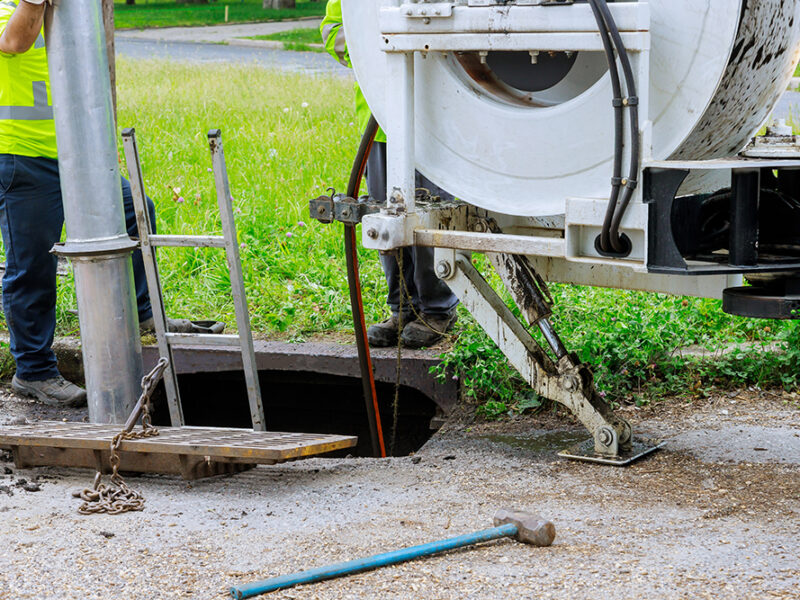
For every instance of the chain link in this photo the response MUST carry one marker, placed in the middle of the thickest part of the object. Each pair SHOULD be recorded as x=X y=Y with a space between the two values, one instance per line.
x=422 y=194
x=399 y=364
x=118 y=498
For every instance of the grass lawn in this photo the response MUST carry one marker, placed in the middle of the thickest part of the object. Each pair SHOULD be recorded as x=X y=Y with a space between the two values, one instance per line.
x=170 y=14
x=288 y=137
x=295 y=39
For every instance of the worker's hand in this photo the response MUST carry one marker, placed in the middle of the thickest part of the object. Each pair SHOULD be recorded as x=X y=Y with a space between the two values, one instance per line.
x=38 y=2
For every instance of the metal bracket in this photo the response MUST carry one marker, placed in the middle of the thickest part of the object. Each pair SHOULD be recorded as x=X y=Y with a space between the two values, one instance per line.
x=778 y=142
x=321 y=209
x=339 y=207
x=520 y=2
x=427 y=10
x=350 y=210
x=662 y=182
x=566 y=380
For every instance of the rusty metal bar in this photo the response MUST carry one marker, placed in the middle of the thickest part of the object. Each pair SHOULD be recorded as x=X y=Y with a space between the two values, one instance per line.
x=188 y=241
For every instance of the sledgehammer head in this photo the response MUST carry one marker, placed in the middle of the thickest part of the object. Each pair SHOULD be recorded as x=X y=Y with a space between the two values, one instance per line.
x=531 y=529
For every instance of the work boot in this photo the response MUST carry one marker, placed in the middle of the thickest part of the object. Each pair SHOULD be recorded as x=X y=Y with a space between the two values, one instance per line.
x=182 y=326
x=55 y=391
x=383 y=335
x=427 y=331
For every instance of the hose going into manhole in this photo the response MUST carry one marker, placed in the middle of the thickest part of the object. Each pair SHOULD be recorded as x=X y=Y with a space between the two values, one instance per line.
x=356 y=302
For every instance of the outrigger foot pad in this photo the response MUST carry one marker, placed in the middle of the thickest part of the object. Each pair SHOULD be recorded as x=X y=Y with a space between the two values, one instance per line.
x=639 y=447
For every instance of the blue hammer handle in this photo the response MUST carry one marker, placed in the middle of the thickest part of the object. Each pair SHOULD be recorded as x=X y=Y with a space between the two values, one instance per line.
x=373 y=562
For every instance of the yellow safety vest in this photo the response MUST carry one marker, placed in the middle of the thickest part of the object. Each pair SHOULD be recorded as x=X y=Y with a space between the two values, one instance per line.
x=26 y=112
x=333 y=37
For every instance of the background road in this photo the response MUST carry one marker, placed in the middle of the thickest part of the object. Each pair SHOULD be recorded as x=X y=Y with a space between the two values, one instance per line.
x=301 y=62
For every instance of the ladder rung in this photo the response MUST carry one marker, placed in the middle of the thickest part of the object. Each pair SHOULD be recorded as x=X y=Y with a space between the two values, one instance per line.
x=188 y=241
x=203 y=339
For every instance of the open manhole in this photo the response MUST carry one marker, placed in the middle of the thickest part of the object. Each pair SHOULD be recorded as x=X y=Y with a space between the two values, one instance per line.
x=313 y=388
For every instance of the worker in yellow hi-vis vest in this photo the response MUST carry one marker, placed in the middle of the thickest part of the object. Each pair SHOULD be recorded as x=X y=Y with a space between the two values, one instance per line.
x=31 y=212
x=430 y=296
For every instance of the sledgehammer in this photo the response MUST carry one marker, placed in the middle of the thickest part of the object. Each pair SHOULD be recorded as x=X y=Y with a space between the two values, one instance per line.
x=523 y=526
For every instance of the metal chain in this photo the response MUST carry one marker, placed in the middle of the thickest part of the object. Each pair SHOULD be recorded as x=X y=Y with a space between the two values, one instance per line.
x=405 y=294
x=102 y=498
x=398 y=366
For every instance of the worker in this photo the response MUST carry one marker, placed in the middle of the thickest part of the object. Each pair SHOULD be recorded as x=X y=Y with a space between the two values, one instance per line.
x=31 y=211
x=430 y=297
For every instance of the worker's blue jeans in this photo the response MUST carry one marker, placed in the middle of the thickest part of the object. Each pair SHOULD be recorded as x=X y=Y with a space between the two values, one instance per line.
x=31 y=220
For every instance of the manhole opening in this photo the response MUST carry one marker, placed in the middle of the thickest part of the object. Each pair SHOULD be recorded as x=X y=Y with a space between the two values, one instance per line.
x=302 y=401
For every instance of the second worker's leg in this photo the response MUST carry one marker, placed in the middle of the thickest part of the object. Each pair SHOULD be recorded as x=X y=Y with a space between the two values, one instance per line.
x=139 y=277
x=434 y=300
x=386 y=333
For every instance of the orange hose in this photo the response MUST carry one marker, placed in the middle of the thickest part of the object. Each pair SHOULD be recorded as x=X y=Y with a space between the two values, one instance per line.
x=355 y=282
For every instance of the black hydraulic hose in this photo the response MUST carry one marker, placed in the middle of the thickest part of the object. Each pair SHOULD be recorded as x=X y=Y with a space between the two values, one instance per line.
x=616 y=177
x=610 y=239
x=356 y=302
x=633 y=113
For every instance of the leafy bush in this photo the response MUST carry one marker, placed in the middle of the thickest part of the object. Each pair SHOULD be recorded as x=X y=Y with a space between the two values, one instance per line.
x=481 y=367
x=492 y=410
x=632 y=341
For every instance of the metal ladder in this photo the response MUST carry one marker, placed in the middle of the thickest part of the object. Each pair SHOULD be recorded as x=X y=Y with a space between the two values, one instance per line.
x=149 y=241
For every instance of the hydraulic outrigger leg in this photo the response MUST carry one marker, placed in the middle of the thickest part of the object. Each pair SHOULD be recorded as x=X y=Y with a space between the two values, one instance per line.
x=564 y=380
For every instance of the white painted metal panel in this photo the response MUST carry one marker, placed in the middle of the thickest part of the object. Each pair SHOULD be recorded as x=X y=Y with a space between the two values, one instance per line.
x=716 y=70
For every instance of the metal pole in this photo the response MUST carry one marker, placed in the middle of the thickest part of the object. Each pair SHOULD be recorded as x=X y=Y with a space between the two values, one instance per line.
x=400 y=163
x=97 y=240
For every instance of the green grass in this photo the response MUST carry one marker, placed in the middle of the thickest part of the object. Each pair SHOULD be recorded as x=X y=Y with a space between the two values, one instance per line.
x=171 y=14
x=286 y=137
x=306 y=35
x=301 y=40
x=632 y=339
x=289 y=137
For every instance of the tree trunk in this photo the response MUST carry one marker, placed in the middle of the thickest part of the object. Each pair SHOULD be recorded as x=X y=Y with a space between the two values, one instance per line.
x=279 y=4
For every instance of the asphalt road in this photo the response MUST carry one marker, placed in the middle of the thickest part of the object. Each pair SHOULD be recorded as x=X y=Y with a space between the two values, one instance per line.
x=788 y=106
x=300 y=62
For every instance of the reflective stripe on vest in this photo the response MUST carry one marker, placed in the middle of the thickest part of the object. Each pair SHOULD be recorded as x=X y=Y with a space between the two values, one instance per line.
x=40 y=111
x=339 y=43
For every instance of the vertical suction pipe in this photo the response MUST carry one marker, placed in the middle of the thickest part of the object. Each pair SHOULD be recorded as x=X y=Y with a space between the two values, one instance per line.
x=97 y=241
